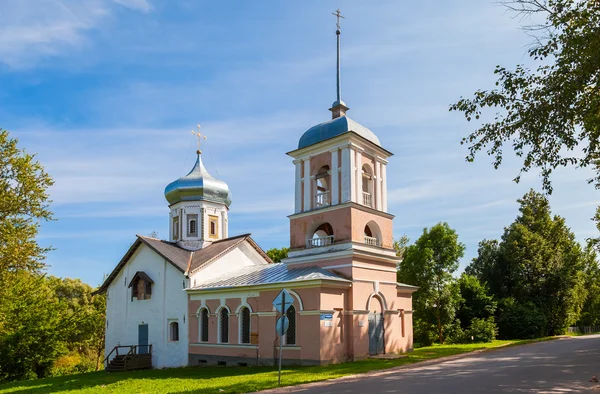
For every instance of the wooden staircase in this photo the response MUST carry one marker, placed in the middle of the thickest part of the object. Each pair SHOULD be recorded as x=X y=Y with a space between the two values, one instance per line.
x=130 y=360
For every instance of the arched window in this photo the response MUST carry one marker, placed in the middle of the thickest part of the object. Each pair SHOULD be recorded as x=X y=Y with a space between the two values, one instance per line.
x=322 y=236
x=203 y=325
x=224 y=326
x=244 y=325
x=174 y=331
x=290 y=334
x=367 y=185
x=176 y=228
x=192 y=225
x=322 y=197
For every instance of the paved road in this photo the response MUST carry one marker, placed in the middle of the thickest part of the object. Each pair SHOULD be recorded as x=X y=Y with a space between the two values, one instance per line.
x=559 y=366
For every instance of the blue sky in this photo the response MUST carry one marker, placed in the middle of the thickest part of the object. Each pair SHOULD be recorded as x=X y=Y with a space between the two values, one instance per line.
x=107 y=91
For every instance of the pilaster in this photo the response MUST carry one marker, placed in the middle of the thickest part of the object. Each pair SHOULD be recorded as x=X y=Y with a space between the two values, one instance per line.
x=334 y=176
x=298 y=184
x=307 y=185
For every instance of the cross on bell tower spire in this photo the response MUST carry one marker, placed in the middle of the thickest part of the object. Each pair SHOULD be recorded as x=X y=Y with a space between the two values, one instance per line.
x=339 y=107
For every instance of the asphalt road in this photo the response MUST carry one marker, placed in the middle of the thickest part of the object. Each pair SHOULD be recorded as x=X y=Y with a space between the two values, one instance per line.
x=558 y=366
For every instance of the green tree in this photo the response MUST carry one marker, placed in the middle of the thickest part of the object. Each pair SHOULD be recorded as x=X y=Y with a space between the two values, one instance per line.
x=475 y=302
x=539 y=262
x=32 y=334
x=590 y=313
x=23 y=204
x=277 y=254
x=429 y=264
x=548 y=112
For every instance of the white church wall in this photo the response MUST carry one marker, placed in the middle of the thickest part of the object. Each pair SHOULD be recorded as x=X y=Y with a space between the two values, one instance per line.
x=241 y=256
x=168 y=301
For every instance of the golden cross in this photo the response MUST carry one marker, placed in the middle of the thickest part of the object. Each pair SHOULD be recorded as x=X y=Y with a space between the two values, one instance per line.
x=200 y=137
x=338 y=15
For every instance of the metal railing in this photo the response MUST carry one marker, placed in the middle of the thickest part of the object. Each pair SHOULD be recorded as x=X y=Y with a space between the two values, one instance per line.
x=371 y=241
x=320 y=241
x=133 y=349
x=322 y=199
x=367 y=199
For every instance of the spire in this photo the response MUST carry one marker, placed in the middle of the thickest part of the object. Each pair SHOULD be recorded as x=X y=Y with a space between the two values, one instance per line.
x=338 y=108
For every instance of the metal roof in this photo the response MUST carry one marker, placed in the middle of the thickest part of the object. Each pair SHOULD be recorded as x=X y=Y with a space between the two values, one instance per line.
x=333 y=128
x=268 y=274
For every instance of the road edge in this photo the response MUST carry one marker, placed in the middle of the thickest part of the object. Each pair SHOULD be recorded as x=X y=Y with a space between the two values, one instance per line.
x=388 y=371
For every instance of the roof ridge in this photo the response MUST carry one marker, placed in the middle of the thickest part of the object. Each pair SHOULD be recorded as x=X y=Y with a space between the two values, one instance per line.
x=230 y=238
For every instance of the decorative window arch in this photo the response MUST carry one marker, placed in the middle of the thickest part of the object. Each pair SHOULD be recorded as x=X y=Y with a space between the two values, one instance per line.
x=203 y=324
x=380 y=298
x=290 y=334
x=223 y=325
x=174 y=331
x=244 y=320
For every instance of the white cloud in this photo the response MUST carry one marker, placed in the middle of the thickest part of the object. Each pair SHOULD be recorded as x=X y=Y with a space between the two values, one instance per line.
x=32 y=29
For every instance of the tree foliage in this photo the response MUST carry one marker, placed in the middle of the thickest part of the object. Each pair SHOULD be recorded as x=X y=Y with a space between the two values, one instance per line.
x=551 y=113
x=429 y=264
x=23 y=204
x=538 y=264
x=475 y=301
x=277 y=254
x=42 y=319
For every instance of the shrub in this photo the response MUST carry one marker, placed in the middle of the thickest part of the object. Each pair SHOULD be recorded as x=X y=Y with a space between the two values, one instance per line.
x=520 y=320
x=480 y=330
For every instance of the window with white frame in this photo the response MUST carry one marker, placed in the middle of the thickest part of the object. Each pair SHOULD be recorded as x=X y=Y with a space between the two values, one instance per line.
x=203 y=325
x=224 y=326
x=244 y=325
x=174 y=331
x=192 y=227
x=290 y=334
x=176 y=228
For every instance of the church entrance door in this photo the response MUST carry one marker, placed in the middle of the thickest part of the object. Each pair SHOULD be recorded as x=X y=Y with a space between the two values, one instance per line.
x=376 y=333
x=142 y=339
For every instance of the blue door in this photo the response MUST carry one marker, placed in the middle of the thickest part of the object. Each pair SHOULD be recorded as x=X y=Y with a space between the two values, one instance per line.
x=376 y=344
x=143 y=339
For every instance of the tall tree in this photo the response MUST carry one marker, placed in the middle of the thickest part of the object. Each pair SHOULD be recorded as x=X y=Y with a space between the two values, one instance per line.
x=590 y=313
x=539 y=262
x=23 y=204
x=429 y=264
x=548 y=112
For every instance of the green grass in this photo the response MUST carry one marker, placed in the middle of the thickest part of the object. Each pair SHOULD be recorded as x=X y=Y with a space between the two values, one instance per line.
x=226 y=379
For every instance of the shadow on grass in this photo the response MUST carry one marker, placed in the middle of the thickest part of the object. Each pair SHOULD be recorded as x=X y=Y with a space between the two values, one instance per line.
x=222 y=379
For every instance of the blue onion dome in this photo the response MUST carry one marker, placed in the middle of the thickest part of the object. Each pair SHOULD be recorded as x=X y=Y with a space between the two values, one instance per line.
x=333 y=128
x=198 y=185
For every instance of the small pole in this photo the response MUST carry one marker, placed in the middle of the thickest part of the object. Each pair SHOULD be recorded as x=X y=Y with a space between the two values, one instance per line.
x=281 y=339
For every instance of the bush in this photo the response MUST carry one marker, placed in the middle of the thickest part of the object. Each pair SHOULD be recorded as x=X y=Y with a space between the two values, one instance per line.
x=520 y=320
x=480 y=331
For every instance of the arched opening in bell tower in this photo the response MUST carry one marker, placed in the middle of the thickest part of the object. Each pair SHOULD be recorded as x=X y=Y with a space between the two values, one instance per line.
x=372 y=234
x=322 y=195
x=367 y=185
x=321 y=236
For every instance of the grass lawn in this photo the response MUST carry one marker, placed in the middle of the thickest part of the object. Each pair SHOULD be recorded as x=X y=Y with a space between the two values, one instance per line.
x=225 y=379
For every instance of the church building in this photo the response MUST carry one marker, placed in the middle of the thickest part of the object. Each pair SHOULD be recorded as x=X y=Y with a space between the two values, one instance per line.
x=203 y=297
